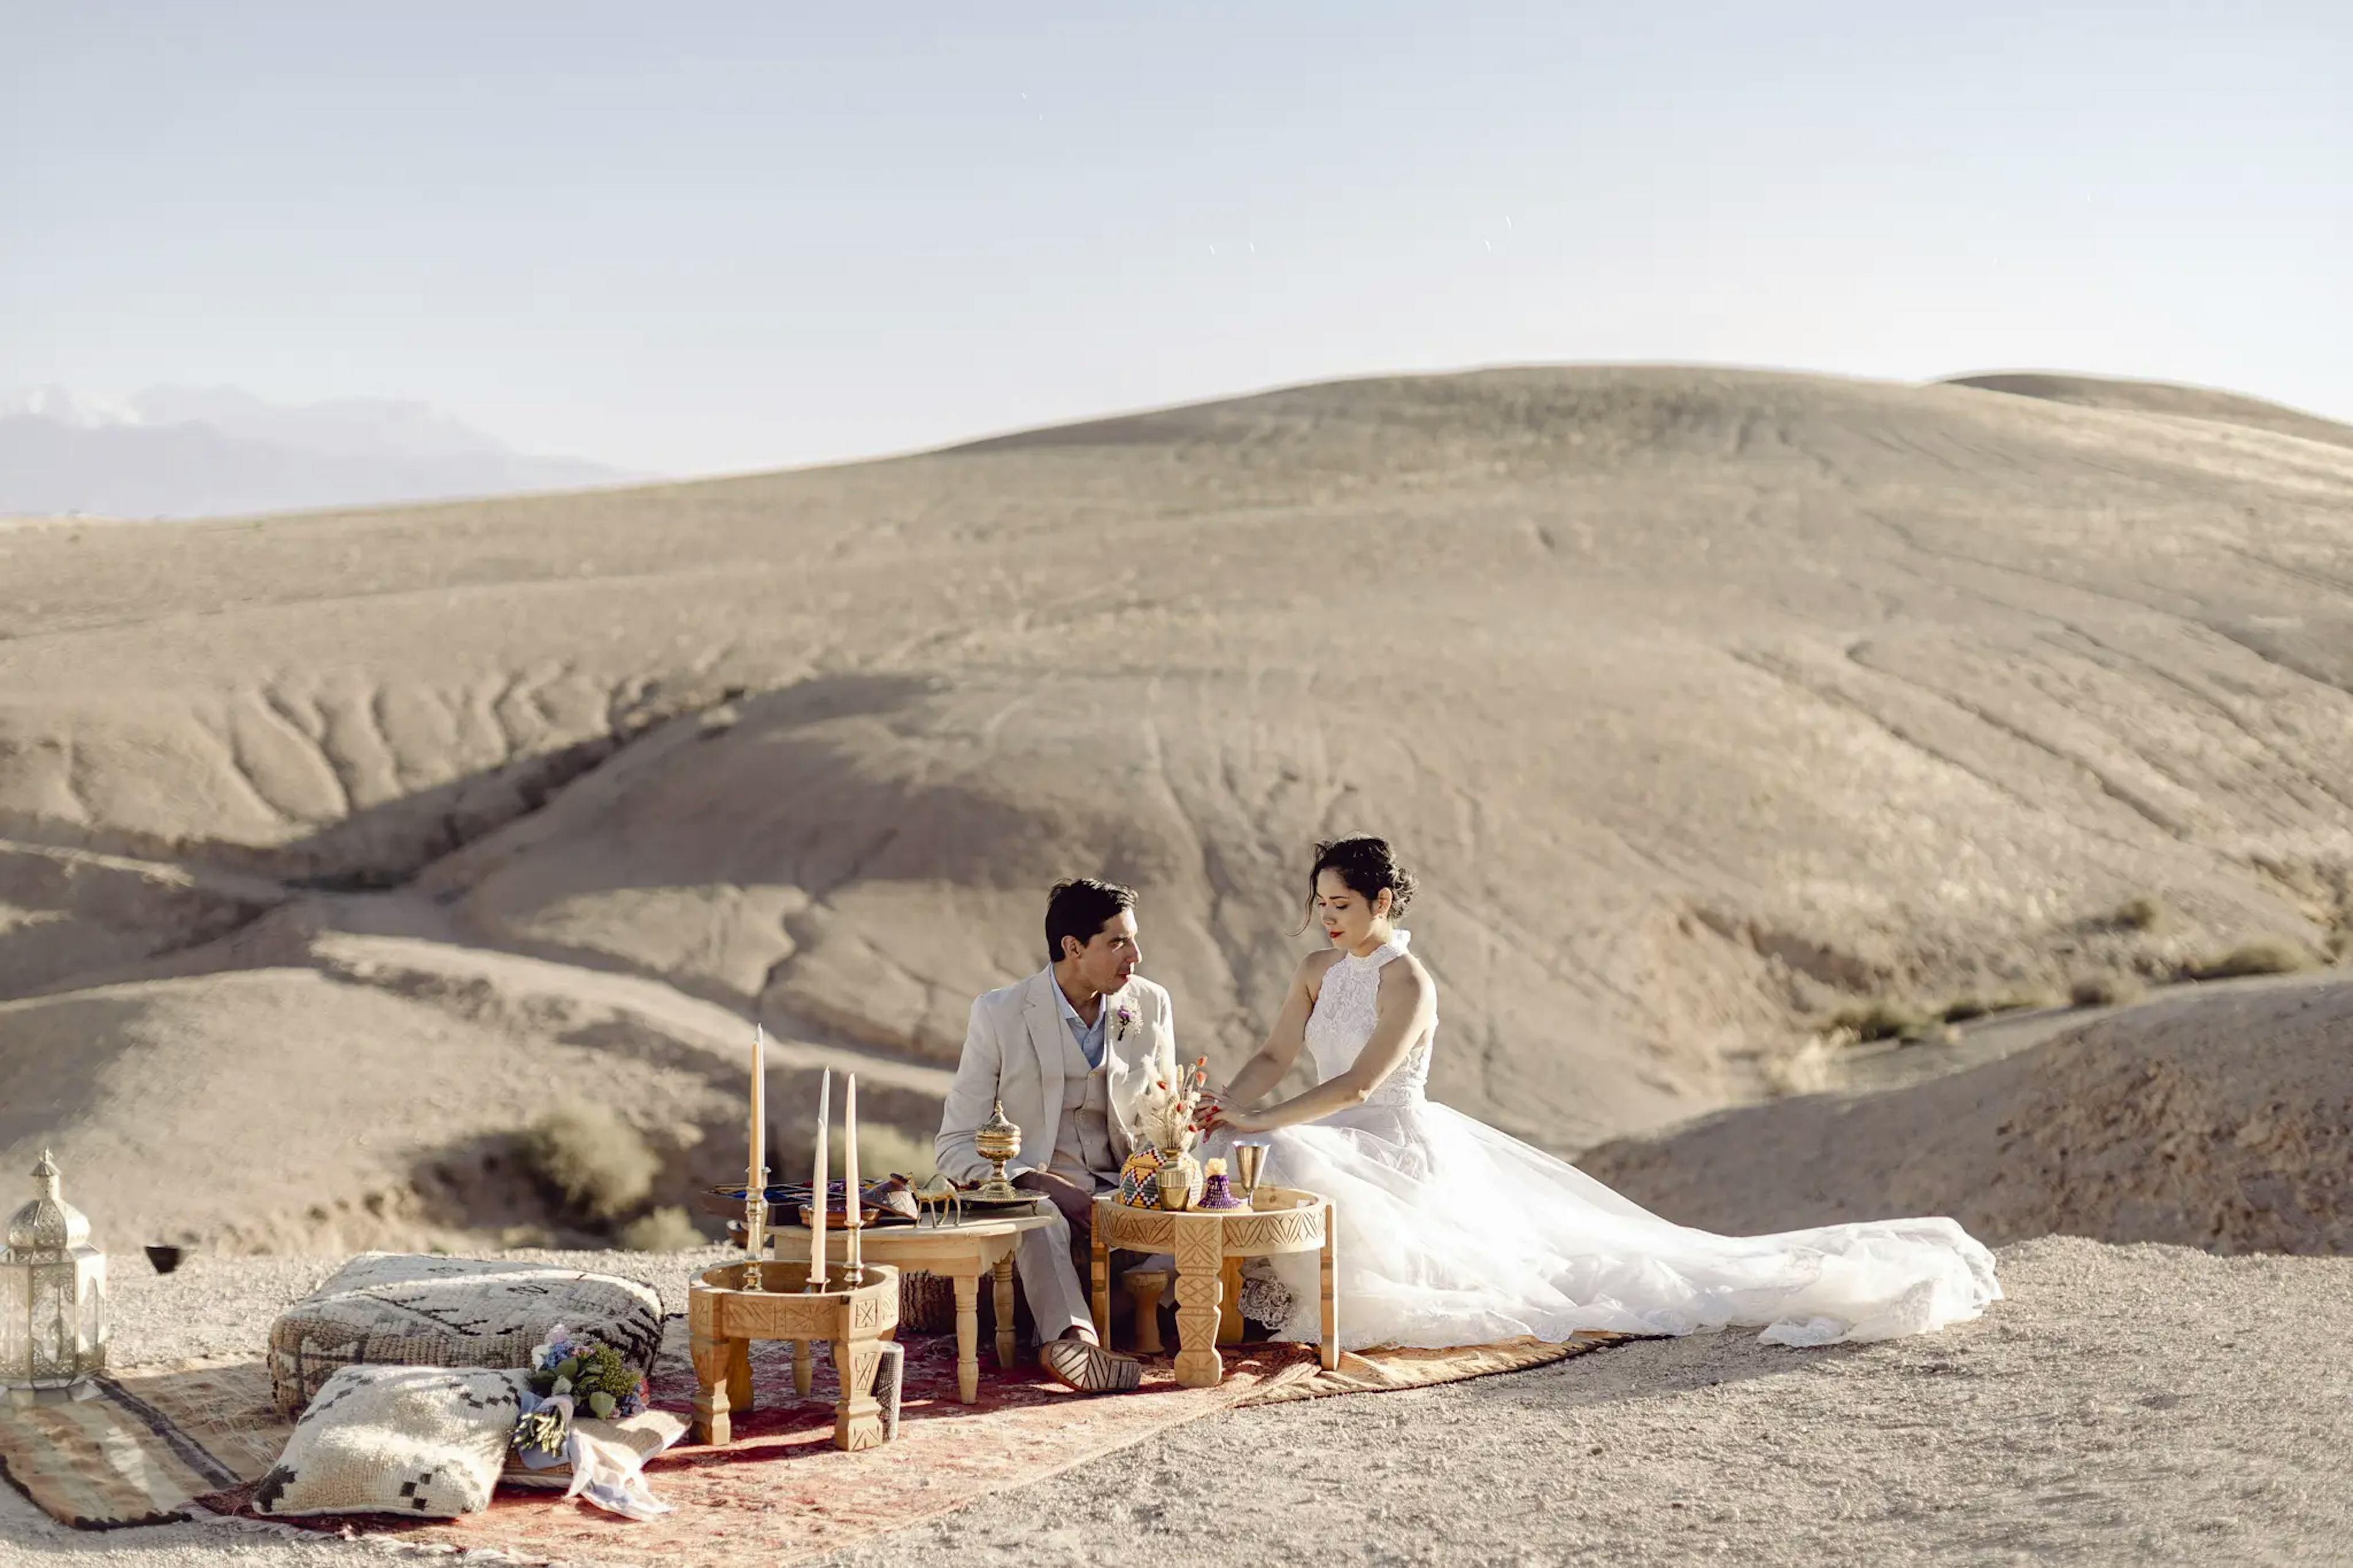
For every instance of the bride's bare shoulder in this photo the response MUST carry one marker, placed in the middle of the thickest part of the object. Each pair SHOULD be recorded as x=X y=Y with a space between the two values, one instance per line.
x=1315 y=965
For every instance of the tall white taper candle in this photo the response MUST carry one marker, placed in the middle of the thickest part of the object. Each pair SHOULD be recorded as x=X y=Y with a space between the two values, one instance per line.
x=819 y=1198
x=853 y=1214
x=759 y=1112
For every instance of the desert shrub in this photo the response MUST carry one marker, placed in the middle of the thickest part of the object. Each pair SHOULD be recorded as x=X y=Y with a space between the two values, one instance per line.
x=666 y=1229
x=2147 y=912
x=2105 y=991
x=885 y=1150
x=1806 y=1070
x=1883 y=1019
x=600 y=1165
x=1962 y=1009
x=2265 y=955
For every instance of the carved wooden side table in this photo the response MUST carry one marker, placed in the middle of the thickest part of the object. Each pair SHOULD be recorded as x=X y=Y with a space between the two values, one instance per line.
x=964 y=1252
x=1209 y=1246
x=724 y=1319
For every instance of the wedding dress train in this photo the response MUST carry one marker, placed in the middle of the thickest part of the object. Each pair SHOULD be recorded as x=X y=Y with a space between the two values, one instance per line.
x=1452 y=1233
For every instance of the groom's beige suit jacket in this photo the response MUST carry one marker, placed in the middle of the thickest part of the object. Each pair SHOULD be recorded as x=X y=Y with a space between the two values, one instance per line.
x=1013 y=1052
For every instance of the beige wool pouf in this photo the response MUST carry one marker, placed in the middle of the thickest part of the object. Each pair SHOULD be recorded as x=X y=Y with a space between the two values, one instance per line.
x=427 y=1442
x=386 y=1309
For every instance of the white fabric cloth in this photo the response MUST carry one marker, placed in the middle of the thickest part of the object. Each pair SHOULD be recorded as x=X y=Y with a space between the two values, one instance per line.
x=1452 y=1233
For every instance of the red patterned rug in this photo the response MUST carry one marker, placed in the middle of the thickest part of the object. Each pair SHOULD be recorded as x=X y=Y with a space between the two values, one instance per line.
x=779 y=1492
x=168 y=1441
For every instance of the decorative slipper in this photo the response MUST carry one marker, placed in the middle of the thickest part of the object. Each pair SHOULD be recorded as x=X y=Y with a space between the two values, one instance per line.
x=1090 y=1368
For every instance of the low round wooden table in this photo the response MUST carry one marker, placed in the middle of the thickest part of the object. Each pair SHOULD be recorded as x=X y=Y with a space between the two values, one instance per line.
x=724 y=1318
x=1210 y=1245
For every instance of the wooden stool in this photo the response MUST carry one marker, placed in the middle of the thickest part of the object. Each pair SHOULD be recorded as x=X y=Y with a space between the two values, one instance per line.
x=1145 y=1285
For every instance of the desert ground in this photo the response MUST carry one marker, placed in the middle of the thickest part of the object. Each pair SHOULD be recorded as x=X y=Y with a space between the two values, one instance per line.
x=1833 y=798
x=2138 y=1404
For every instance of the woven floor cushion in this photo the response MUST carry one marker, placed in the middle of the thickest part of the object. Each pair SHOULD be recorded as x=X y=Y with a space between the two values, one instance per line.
x=426 y=1442
x=385 y=1308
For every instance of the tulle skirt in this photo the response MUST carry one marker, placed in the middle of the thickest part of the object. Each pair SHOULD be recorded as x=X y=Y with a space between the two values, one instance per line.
x=1452 y=1233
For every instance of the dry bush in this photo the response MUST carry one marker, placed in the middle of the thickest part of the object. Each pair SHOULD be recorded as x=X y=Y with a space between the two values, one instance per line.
x=1962 y=1009
x=887 y=1150
x=1883 y=1019
x=2105 y=991
x=666 y=1229
x=2265 y=955
x=601 y=1165
x=1806 y=1070
x=2147 y=912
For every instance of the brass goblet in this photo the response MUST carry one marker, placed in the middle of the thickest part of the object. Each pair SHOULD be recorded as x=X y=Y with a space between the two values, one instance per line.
x=1250 y=1161
x=1175 y=1187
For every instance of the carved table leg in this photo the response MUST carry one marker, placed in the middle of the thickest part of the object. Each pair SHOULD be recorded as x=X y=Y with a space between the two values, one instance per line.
x=857 y=1416
x=803 y=1374
x=1331 y=1272
x=1008 y=1342
x=968 y=1308
x=1229 y=1302
x=1199 y=1264
x=1099 y=1282
x=739 y=1376
x=712 y=1357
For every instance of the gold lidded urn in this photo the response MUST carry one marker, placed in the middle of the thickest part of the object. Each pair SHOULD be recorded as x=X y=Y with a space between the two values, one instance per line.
x=997 y=1142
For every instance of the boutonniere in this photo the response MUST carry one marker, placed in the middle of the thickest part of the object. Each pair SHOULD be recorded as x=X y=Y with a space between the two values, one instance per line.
x=1123 y=1019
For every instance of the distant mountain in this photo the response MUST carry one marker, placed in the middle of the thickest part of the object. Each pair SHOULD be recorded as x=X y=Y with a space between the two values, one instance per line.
x=196 y=452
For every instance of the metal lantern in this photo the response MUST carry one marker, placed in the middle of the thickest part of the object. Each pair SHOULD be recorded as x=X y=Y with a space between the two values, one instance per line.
x=52 y=1298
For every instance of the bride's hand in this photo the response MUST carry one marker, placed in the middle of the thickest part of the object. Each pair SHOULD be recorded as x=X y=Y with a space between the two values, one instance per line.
x=1238 y=1122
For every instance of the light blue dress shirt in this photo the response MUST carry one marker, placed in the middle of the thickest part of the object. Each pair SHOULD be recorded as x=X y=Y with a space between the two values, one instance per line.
x=1090 y=1036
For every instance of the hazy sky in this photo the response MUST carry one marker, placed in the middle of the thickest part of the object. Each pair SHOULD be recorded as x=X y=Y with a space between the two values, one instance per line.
x=694 y=237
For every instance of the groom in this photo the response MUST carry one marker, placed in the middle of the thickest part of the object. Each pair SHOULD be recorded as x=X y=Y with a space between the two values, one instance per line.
x=1068 y=1051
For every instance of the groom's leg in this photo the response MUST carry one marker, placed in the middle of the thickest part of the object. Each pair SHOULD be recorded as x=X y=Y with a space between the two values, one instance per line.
x=1058 y=1303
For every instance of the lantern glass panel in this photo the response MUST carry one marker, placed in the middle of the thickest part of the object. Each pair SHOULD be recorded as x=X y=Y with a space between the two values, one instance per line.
x=56 y=1321
x=16 y=1316
x=92 y=1270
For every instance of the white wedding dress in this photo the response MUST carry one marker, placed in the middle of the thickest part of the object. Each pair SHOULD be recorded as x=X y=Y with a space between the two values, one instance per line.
x=1452 y=1233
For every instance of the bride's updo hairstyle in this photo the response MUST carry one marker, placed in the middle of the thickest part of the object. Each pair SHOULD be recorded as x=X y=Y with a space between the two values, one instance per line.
x=1368 y=866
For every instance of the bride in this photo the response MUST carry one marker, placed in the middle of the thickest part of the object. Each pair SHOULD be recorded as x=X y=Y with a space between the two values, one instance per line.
x=1452 y=1233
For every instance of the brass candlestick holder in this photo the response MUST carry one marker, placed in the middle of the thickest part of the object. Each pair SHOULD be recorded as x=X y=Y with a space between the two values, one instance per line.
x=997 y=1142
x=755 y=1232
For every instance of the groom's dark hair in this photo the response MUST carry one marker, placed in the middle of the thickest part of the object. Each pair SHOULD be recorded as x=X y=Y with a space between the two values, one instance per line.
x=1079 y=908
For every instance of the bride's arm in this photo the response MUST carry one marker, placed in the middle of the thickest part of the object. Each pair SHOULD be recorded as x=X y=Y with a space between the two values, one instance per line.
x=1406 y=1005
x=1264 y=1070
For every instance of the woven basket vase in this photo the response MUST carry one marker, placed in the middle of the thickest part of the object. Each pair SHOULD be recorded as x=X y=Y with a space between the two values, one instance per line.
x=926 y=1302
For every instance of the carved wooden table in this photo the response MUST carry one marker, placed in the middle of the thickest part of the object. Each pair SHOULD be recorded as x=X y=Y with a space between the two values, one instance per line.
x=1210 y=1245
x=961 y=1252
x=724 y=1319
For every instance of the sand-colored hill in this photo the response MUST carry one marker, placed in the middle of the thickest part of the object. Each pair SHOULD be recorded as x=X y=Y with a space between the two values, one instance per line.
x=2217 y=1120
x=1706 y=702
x=2164 y=398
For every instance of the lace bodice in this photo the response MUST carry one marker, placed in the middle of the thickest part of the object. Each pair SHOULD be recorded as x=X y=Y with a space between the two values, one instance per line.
x=1346 y=1009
